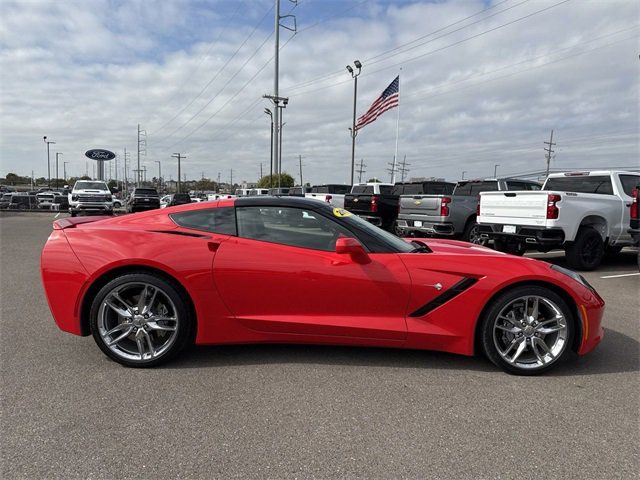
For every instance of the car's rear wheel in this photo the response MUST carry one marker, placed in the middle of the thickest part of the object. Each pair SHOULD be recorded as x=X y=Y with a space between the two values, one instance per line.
x=471 y=233
x=586 y=252
x=527 y=330
x=140 y=320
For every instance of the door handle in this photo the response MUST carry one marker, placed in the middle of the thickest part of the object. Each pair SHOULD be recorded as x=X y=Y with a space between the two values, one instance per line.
x=213 y=246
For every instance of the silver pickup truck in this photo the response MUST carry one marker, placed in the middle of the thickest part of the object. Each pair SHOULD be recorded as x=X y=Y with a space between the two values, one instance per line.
x=452 y=214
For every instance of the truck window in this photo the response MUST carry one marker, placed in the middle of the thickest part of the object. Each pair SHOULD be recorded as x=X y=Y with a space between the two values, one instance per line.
x=359 y=189
x=339 y=189
x=463 y=189
x=600 y=184
x=386 y=189
x=629 y=182
x=517 y=185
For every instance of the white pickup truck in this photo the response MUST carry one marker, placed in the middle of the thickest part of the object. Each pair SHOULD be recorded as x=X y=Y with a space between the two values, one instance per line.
x=585 y=213
x=333 y=194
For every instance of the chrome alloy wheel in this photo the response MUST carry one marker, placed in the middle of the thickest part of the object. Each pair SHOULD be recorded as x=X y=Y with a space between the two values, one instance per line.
x=530 y=332
x=137 y=321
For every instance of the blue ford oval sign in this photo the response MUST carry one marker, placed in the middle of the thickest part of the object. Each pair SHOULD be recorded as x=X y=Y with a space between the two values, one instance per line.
x=100 y=154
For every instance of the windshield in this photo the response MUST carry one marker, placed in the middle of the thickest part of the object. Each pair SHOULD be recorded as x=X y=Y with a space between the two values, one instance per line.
x=90 y=186
x=145 y=191
x=379 y=234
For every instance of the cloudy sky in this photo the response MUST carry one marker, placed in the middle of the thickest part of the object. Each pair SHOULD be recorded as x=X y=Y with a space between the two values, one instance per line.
x=482 y=83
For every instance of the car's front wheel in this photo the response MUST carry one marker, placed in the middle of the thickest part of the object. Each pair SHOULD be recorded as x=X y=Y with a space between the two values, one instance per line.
x=141 y=320
x=527 y=330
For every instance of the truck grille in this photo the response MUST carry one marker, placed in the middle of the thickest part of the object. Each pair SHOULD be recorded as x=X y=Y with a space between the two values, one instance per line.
x=92 y=198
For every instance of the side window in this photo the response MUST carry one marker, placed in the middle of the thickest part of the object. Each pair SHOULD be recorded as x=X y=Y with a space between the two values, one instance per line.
x=476 y=188
x=215 y=220
x=629 y=182
x=289 y=226
x=462 y=189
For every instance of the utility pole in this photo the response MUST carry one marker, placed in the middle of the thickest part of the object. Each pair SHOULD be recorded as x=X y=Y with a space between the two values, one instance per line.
x=57 y=155
x=64 y=169
x=495 y=170
x=260 y=169
x=300 y=163
x=361 y=170
x=179 y=156
x=277 y=142
x=231 y=177
x=48 y=142
x=393 y=169
x=270 y=113
x=403 y=168
x=159 y=175
x=126 y=157
x=549 y=152
x=353 y=130
x=142 y=150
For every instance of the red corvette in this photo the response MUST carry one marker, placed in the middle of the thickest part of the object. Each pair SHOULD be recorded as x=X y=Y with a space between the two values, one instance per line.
x=291 y=270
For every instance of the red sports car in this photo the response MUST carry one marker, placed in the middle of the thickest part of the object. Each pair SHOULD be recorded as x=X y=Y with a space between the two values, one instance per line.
x=292 y=270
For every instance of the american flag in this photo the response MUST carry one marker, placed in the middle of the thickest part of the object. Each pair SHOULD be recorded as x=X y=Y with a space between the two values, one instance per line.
x=386 y=101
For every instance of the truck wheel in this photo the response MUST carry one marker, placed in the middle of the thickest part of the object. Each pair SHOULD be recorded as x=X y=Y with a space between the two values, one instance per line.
x=471 y=234
x=586 y=252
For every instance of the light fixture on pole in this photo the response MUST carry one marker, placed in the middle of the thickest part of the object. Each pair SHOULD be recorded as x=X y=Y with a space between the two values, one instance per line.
x=270 y=113
x=354 y=132
x=48 y=142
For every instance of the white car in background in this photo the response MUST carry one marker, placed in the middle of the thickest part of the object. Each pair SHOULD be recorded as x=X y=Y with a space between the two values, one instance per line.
x=164 y=201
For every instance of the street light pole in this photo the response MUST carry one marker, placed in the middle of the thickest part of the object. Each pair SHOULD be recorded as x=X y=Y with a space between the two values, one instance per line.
x=57 y=155
x=64 y=169
x=159 y=174
x=48 y=142
x=495 y=170
x=354 y=132
x=463 y=172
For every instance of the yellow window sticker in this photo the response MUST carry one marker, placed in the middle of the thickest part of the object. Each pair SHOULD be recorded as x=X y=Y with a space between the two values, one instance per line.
x=341 y=212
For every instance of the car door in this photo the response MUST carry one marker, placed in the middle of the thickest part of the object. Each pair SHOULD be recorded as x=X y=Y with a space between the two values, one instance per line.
x=281 y=274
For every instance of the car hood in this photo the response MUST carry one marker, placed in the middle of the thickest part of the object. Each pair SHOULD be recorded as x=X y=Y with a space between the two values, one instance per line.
x=455 y=247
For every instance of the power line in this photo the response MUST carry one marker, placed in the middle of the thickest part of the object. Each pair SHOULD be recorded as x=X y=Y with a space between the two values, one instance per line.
x=367 y=60
x=440 y=49
x=217 y=74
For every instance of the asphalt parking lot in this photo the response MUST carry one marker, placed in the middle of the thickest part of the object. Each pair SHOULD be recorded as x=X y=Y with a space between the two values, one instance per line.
x=302 y=412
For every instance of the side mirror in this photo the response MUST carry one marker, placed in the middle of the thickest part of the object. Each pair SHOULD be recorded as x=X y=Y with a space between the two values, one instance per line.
x=351 y=246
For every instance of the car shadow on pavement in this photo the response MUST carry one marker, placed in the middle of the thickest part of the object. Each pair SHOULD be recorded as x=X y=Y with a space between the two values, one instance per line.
x=624 y=260
x=617 y=353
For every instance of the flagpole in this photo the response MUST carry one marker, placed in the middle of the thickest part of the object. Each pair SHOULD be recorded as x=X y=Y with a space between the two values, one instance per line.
x=395 y=156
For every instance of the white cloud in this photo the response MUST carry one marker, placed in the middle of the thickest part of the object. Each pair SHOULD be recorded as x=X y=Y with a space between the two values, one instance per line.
x=86 y=73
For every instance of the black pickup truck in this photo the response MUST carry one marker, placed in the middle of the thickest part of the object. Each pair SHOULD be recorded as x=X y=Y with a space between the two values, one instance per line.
x=375 y=202
x=143 y=199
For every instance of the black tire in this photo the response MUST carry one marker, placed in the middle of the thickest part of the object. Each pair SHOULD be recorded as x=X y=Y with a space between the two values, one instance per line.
x=512 y=248
x=471 y=233
x=490 y=318
x=73 y=214
x=586 y=252
x=185 y=329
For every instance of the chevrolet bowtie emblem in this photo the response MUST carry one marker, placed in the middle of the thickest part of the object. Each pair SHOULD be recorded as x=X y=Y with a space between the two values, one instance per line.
x=418 y=202
x=355 y=199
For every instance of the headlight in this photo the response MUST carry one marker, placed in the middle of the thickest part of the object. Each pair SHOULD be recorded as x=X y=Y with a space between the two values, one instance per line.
x=576 y=276
x=109 y=197
x=74 y=198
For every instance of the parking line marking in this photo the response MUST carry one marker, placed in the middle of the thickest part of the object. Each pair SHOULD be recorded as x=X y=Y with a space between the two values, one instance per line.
x=621 y=275
x=57 y=215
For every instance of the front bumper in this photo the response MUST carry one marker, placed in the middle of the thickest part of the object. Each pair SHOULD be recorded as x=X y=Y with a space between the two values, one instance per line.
x=545 y=237
x=407 y=225
x=90 y=207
